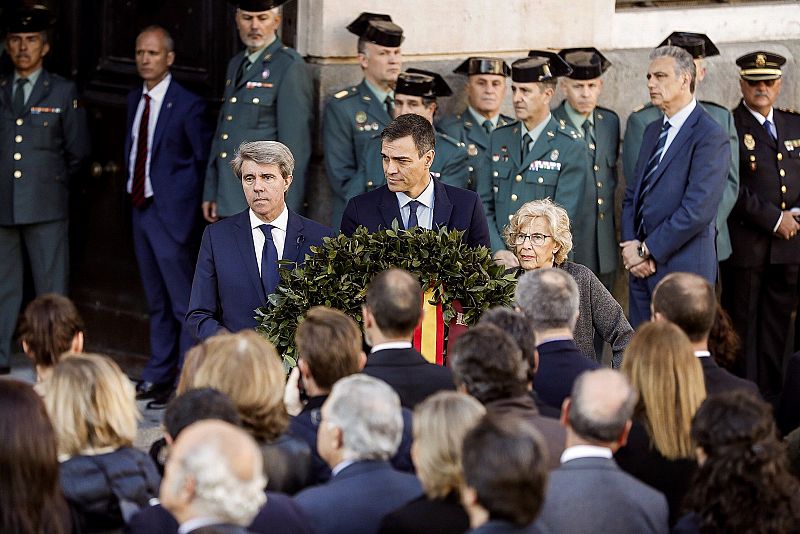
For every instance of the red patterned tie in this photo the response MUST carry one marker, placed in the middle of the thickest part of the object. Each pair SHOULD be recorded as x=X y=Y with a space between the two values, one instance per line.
x=137 y=188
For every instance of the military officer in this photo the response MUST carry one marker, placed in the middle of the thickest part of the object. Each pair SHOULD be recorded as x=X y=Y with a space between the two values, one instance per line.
x=486 y=89
x=268 y=97
x=357 y=113
x=536 y=156
x=600 y=127
x=700 y=47
x=760 y=278
x=416 y=92
x=43 y=140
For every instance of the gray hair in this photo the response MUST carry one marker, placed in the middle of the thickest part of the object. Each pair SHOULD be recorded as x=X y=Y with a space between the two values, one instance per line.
x=169 y=42
x=219 y=492
x=264 y=153
x=549 y=298
x=367 y=411
x=602 y=402
x=684 y=62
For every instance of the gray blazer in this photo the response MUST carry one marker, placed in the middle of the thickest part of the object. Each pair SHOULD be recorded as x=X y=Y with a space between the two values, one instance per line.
x=571 y=503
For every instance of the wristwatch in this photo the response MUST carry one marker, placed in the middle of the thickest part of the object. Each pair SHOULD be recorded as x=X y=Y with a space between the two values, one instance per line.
x=641 y=250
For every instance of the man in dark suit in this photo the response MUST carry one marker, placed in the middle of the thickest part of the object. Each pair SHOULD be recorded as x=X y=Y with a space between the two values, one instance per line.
x=550 y=299
x=237 y=267
x=392 y=310
x=589 y=492
x=668 y=215
x=166 y=146
x=411 y=196
x=214 y=480
x=760 y=278
x=689 y=301
x=42 y=145
x=359 y=431
x=501 y=381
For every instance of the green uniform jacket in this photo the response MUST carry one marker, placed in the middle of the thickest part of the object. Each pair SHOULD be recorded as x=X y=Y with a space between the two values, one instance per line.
x=557 y=167
x=40 y=151
x=462 y=127
x=604 y=154
x=273 y=102
x=634 y=130
x=449 y=166
x=351 y=118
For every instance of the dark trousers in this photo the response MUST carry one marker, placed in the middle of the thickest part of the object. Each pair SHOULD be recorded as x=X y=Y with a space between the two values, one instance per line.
x=166 y=267
x=760 y=302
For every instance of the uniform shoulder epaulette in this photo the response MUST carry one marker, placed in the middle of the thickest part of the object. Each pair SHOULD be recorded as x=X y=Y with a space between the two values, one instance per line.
x=637 y=109
x=450 y=140
x=789 y=110
x=449 y=120
x=709 y=103
x=345 y=93
x=607 y=110
x=507 y=125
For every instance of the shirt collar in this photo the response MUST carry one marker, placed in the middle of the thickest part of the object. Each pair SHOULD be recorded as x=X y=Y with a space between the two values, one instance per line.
x=341 y=466
x=677 y=120
x=32 y=77
x=575 y=117
x=253 y=56
x=554 y=338
x=759 y=117
x=379 y=93
x=585 y=451
x=425 y=198
x=158 y=92
x=391 y=345
x=477 y=117
x=280 y=222
x=198 y=522
x=537 y=130
x=702 y=353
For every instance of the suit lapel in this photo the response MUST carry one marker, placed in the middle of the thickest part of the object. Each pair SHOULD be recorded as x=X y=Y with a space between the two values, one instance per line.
x=601 y=143
x=390 y=209
x=244 y=241
x=678 y=143
x=294 y=238
x=514 y=144
x=133 y=103
x=475 y=132
x=442 y=207
x=6 y=93
x=164 y=115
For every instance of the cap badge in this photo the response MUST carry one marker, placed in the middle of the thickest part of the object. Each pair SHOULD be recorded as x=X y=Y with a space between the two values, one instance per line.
x=761 y=61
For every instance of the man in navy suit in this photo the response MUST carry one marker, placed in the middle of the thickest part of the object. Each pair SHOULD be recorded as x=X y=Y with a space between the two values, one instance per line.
x=166 y=146
x=671 y=201
x=549 y=298
x=237 y=267
x=359 y=431
x=411 y=196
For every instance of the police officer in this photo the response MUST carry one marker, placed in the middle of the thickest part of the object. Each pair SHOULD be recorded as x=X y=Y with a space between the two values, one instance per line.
x=536 y=156
x=268 y=97
x=43 y=141
x=600 y=127
x=760 y=278
x=416 y=92
x=355 y=114
x=700 y=47
x=486 y=89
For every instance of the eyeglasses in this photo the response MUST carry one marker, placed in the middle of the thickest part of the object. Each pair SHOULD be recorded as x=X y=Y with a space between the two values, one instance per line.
x=754 y=83
x=536 y=239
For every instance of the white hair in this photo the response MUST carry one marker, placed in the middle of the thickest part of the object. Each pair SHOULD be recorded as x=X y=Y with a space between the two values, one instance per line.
x=367 y=411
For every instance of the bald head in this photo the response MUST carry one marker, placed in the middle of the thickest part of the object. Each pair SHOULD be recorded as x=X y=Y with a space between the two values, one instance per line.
x=600 y=407
x=687 y=300
x=394 y=298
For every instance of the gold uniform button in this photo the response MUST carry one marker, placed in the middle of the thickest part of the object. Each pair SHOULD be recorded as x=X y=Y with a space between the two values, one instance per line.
x=18 y=138
x=224 y=136
x=782 y=172
x=596 y=168
x=518 y=178
x=223 y=155
x=19 y=122
x=369 y=184
x=540 y=180
x=753 y=158
x=783 y=189
x=599 y=201
x=783 y=205
x=17 y=156
x=256 y=100
x=602 y=216
x=471 y=169
x=229 y=118
x=599 y=184
x=233 y=100
x=17 y=174
x=495 y=173
x=510 y=217
x=780 y=156
x=514 y=198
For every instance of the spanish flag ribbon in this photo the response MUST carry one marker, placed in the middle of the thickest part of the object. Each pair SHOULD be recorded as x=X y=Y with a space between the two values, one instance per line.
x=429 y=335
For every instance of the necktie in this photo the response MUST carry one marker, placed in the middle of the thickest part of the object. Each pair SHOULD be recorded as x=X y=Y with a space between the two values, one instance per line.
x=487 y=125
x=243 y=69
x=644 y=188
x=412 y=216
x=137 y=187
x=269 y=261
x=770 y=129
x=526 y=145
x=389 y=103
x=587 y=131
x=19 y=97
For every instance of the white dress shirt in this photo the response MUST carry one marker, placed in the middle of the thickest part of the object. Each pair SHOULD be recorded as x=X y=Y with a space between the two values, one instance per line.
x=198 y=522
x=278 y=234
x=391 y=345
x=156 y=95
x=585 y=451
x=676 y=122
x=424 y=211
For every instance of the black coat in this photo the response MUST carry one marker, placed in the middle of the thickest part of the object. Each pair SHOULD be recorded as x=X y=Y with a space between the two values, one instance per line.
x=718 y=380
x=423 y=515
x=409 y=374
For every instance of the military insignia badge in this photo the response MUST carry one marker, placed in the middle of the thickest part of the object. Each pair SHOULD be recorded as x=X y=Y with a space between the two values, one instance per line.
x=472 y=150
x=554 y=155
x=361 y=117
x=495 y=157
x=749 y=141
x=761 y=61
x=375 y=126
x=265 y=74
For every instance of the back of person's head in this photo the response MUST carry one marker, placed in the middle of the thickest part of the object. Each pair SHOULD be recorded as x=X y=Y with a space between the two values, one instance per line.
x=368 y=413
x=601 y=406
x=329 y=342
x=91 y=403
x=488 y=363
x=48 y=328
x=723 y=341
x=394 y=298
x=549 y=298
x=440 y=423
x=246 y=367
x=194 y=357
x=519 y=328
x=688 y=301
x=661 y=366
x=30 y=495
x=197 y=405
x=504 y=461
x=743 y=484
x=214 y=470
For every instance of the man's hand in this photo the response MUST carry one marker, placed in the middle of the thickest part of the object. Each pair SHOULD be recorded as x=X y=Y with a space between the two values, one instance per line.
x=630 y=254
x=291 y=395
x=506 y=258
x=788 y=227
x=644 y=269
x=210 y=211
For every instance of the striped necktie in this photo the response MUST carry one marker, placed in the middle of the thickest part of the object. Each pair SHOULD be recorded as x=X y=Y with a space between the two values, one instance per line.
x=649 y=171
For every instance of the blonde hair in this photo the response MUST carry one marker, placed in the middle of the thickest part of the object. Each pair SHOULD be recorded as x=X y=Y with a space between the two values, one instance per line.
x=557 y=220
x=661 y=366
x=91 y=403
x=440 y=424
x=247 y=368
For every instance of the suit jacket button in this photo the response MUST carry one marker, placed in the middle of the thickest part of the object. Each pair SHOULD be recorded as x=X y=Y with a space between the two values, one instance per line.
x=223 y=155
x=540 y=180
x=514 y=198
x=19 y=122
x=518 y=178
x=780 y=156
x=18 y=138
x=224 y=136
x=17 y=174
x=17 y=156
x=782 y=172
x=233 y=100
